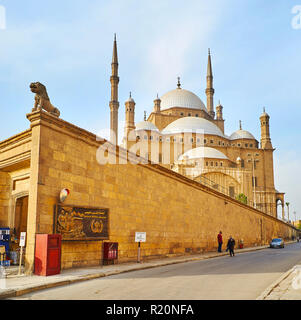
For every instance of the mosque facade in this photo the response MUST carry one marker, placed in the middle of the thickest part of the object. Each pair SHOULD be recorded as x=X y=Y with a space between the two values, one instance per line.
x=188 y=136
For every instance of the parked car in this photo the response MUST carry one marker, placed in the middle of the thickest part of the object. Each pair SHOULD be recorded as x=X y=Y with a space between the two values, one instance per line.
x=277 y=243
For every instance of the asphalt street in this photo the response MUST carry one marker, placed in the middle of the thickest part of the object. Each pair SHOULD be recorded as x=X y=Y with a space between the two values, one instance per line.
x=244 y=276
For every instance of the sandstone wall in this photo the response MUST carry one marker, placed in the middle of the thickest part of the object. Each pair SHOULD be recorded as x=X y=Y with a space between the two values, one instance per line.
x=179 y=215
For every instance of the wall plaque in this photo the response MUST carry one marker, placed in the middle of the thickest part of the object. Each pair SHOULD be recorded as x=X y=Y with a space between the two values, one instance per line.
x=79 y=223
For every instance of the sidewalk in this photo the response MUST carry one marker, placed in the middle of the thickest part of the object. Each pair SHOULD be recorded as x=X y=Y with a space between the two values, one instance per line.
x=19 y=285
x=287 y=287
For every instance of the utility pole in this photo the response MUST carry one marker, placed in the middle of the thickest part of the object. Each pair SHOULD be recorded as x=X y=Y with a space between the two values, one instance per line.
x=253 y=179
x=288 y=211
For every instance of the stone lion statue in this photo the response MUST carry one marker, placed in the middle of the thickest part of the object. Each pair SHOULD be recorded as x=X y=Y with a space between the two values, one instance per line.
x=42 y=100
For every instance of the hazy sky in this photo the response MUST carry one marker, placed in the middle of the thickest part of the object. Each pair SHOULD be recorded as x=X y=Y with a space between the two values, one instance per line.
x=67 y=45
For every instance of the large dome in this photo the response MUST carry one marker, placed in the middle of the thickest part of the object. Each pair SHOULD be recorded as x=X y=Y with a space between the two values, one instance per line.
x=193 y=125
x=183 y=99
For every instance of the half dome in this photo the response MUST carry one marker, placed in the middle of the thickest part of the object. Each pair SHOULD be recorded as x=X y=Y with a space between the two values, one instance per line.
x=183 y=99
x=241 y=134
x=146 y=125
x=193 y=125
x=202 y=152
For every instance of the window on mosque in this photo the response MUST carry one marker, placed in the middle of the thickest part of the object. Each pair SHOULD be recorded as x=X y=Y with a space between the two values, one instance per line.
x=221 y=164
x=242 y=163
x=189 y=114
x=211 y=163
x=238 y=144
x=254 y=180
x=207 y=163
x=216 y=164
x=251 y=145
x=205 y=141
x=211 y=141
x=246 y=145
x=182 y=114
x=231 y=192
x=196 y=115
x=223 y=143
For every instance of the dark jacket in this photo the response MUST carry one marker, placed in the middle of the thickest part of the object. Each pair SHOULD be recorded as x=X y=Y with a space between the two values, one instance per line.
x=231 y=244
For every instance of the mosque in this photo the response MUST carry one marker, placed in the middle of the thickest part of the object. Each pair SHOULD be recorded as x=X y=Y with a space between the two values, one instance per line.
x=188 y=137
x=178 y=178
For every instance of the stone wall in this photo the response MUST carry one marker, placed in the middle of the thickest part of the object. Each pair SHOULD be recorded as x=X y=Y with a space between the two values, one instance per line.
x=178 y=215
x=5 y=191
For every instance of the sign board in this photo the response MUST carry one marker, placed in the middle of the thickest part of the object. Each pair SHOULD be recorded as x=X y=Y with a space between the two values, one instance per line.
x=140 y=237
x=80 y=223
x=22 y=239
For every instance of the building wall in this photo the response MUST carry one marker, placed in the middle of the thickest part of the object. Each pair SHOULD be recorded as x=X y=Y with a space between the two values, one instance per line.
x=179 y=215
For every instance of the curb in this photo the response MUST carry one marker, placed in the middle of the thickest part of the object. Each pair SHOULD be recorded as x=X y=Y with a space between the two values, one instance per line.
x=10 y=293
x=276 y=283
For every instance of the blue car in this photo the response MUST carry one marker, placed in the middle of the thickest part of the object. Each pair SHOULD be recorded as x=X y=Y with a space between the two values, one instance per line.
x=277 y=243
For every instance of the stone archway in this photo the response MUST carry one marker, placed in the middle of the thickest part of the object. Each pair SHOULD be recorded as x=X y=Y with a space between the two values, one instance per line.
x=280 y=202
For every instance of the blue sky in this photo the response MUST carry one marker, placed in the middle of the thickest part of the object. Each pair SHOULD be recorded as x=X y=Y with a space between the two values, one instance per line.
x=67 y=45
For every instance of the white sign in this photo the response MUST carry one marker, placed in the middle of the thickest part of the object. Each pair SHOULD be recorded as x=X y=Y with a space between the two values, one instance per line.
x=22 y=239
x=140 y=237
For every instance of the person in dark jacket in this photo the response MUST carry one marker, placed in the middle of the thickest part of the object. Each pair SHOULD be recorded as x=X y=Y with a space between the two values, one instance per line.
x=230 y=246
x=220 y=241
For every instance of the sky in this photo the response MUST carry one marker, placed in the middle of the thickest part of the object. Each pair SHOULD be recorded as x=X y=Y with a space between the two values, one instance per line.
x=67 y=45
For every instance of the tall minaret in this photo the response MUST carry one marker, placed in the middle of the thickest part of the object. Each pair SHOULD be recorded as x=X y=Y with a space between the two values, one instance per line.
x=210 y=90
x=265 y=140
x=114 y=104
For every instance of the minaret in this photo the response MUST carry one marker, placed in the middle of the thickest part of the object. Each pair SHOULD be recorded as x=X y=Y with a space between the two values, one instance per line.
x=265 y=140
x=114 y=104
x=219 y=111
x=157 y=105
x=210 y=90
x=129 y=116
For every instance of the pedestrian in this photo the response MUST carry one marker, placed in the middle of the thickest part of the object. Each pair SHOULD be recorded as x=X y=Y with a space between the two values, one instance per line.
x=220 y=241
x=230 y=246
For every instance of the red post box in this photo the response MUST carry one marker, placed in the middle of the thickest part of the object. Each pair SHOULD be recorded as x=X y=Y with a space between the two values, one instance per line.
x=110 y=252
x=47 y=260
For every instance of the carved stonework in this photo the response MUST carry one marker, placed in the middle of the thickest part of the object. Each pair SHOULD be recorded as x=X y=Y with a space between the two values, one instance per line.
x=42 y=100
x=77 y=223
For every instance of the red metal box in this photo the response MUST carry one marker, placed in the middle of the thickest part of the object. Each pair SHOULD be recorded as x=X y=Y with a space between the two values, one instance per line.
x=47 y=260
x=110 y=250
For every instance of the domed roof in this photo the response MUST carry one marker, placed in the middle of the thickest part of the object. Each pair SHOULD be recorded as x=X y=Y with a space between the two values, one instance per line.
x=146 y=125
x=241 y=134
x=202 y=152
x=183 y=99
x=193 y=125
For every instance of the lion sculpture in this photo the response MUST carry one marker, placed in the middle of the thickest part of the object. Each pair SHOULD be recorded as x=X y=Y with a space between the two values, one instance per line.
x=42 y=100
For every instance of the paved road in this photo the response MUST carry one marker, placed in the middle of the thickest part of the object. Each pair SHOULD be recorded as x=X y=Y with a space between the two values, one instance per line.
x=244 y=276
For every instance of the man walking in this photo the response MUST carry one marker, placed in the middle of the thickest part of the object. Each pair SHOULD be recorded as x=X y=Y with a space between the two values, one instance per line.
x=220 y=241
x=230 y=246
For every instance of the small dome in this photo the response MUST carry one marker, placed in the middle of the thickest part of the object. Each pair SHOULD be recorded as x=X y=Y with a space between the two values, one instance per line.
x=241 y=134
x=146 y=125
x=193 y=124
x=183 y=99
x=202 y=152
